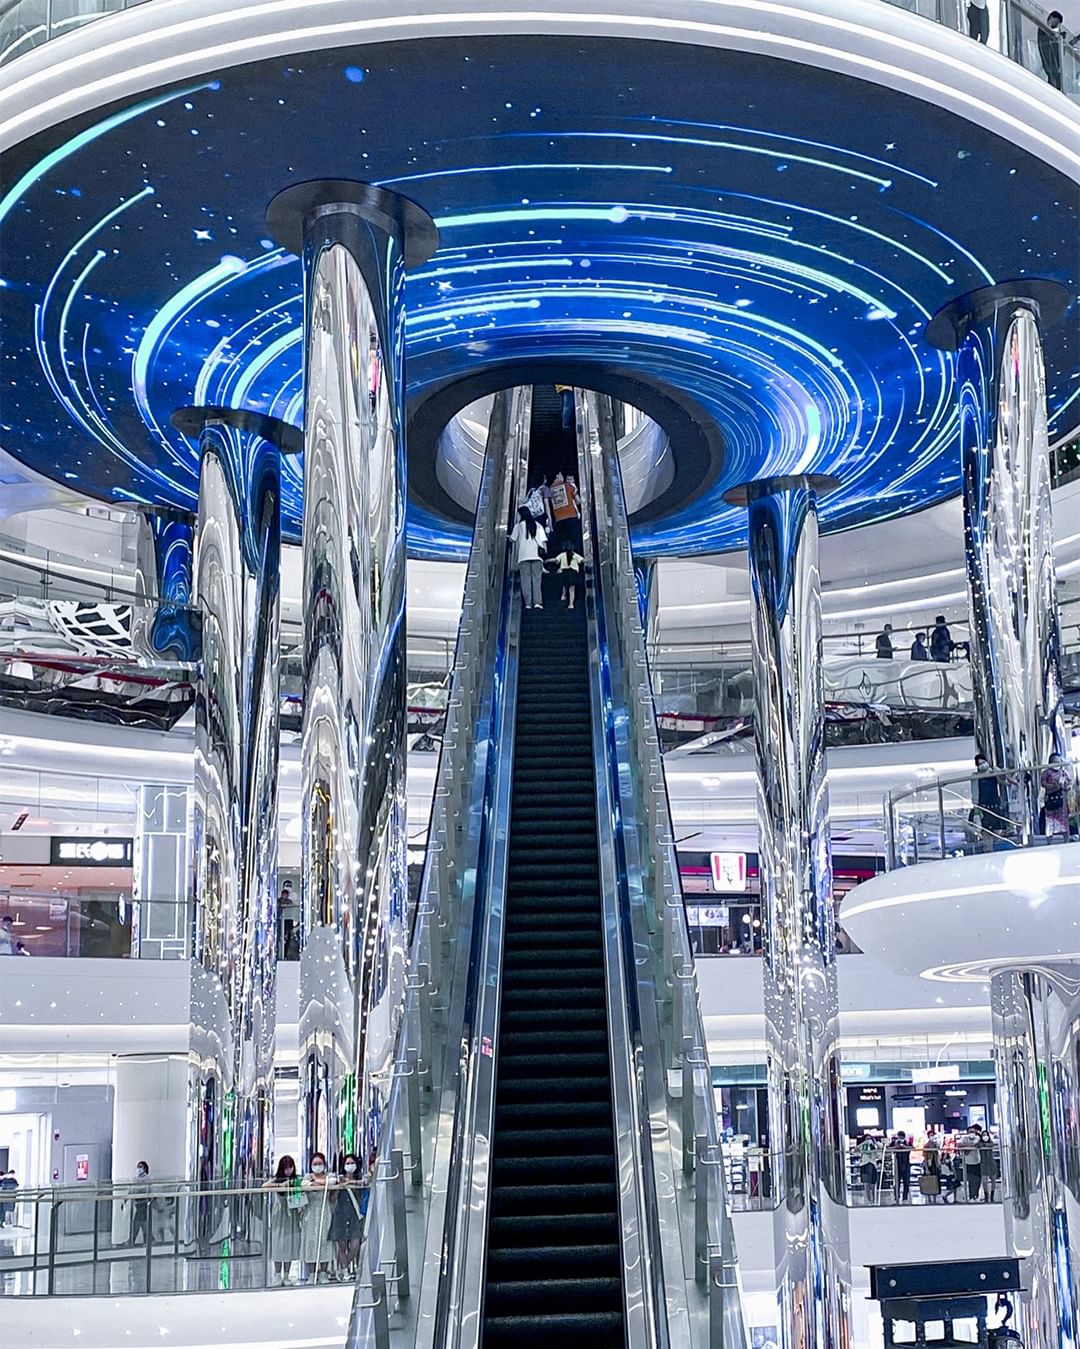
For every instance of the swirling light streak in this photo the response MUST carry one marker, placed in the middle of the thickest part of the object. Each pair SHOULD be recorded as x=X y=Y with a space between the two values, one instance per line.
x=890 y=165
x=794 y=322
x=882 y=184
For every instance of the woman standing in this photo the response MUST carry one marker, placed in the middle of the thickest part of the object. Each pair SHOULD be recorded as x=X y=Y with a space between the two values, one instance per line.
x=315 y=1249
x=530 y=541
x=1056 y=783
x=288 y=1201
x=350 y=1209
x=930 y=1180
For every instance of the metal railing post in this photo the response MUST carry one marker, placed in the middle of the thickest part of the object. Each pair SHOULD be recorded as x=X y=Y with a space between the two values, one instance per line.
x=380 y=1309
x=701 y=1210
x=54 y=1226
x=717 y=1290
x=401 y=1236
x=941 y=820
x=412 y=1085
x=688 y=1103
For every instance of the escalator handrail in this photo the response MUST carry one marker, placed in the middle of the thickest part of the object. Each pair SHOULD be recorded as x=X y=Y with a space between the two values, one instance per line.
x=458 y=1320
x=645 y=1304
x=462 y=755
x=640 y=715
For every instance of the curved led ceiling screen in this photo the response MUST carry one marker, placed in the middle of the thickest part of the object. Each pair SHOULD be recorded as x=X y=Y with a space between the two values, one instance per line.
x=768 y=238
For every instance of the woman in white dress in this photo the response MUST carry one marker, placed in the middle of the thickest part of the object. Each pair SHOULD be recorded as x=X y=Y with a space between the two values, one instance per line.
x=316 y=1249
x=288 y=1202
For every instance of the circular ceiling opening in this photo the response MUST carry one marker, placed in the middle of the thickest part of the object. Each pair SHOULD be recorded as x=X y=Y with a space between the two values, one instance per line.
x=645 y=455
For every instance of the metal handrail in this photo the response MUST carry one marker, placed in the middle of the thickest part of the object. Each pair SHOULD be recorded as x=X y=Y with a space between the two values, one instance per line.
x=654 y=1307
x=1015 y=829
x=462 y=1248
x=659 y=919
x=427 y=1061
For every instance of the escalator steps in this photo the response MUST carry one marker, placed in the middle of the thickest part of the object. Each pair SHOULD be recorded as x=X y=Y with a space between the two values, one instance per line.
x=554 y=1265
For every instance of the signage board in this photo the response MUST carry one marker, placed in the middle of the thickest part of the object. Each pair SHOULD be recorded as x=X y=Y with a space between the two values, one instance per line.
x=708 y=915
x=728 y=871
x=942 y=1072
x=86 y=851
x=82 y=1167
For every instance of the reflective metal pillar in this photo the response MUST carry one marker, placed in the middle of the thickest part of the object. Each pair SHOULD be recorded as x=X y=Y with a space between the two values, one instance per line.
x=801 y=1005
x=1036 y=1015
x=356 y=242
x=1015 y=658
x=234 y=846
x=1008 y=529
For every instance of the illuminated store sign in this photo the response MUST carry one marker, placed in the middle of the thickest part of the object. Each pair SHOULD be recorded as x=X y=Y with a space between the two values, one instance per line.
x=728 y=871
x=91 y=852
x=944 y=1072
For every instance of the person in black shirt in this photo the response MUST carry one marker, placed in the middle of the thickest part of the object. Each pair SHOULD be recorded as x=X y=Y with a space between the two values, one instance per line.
x=884 y=643
x=1050 y=41
x=941 y=641
x=989 y=813
x=918 y=647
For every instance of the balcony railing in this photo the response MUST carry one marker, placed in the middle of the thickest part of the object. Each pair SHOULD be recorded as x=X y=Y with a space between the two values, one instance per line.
x=1020 y=32
x=981 y=812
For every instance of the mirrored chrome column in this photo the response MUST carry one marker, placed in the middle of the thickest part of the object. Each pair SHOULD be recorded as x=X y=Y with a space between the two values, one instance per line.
x=234 y=845
x=801 y=1004
x=1008 y=529
x=356 y=242
x=1036 y=1015
x=164 y=546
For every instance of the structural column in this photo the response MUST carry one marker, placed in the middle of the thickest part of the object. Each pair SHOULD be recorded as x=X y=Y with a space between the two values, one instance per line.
x=801 y=1005
x=1036 y=1018
x=234 y=846
x=1008 y=528
x=1015 y=656
x=356 y=242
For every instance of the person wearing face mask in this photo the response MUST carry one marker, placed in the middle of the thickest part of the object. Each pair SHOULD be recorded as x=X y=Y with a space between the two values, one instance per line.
x=350 y=1209
x=315 y=1249
x=289 y=1201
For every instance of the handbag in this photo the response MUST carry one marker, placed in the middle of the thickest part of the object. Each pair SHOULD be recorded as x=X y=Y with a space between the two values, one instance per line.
x=929 y=1185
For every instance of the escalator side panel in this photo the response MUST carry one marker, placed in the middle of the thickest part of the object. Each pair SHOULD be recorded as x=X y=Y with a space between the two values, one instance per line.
x=554 y=1260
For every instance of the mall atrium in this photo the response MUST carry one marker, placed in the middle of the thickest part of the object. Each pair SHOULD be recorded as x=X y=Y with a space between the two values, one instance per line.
x=539 y=674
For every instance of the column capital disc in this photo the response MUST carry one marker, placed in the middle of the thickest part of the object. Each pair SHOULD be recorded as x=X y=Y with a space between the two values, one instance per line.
x=745 y=493
x=409 y=223
x=189 y=421
x=1049 y=299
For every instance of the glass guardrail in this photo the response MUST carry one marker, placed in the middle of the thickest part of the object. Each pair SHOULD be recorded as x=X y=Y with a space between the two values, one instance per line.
x=107 y=1240
x=965 y=814
x=1021 y=32
x=169 y=1237
x=879 y=1173
x=684 y=1133
x=401 y=1258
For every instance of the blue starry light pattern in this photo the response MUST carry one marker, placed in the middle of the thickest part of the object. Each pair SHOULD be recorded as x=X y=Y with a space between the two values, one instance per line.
x=776 y=265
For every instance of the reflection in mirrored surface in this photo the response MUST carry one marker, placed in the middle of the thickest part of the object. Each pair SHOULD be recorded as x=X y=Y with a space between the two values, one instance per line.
x=801 y=1001
x=354 y=884
x=234 y=873
x=1009 y=540
x=1036 y=1014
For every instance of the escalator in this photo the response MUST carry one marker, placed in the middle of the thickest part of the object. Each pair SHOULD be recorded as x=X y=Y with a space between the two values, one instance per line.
x=549 y=1170
x=554 y=1263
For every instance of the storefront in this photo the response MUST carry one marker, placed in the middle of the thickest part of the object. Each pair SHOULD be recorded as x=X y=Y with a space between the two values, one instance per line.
x=722 y=896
